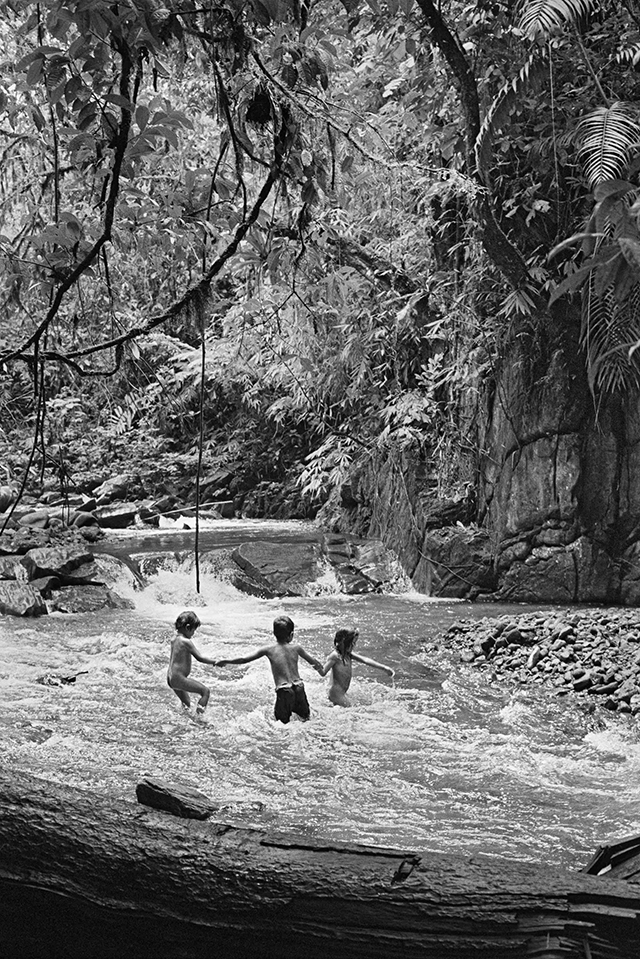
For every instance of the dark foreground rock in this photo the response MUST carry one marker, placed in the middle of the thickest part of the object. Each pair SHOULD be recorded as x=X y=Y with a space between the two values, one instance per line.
x=187 y=802
x=591 y=653
x=83 y=875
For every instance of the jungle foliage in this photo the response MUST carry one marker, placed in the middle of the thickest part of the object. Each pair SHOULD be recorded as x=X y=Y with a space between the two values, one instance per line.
x=277 y=235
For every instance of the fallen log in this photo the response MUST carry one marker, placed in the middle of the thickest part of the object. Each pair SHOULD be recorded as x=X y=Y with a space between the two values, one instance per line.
x=86 y=877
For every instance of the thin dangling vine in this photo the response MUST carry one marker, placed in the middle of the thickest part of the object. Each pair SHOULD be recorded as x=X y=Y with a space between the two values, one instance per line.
x=203 y=354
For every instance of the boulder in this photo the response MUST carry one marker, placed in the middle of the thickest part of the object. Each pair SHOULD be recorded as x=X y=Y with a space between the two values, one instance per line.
x=46 y=584
x=353 y=582
x=28 y=537
x=218 y=478
x=86 y=575
x=183 y=801
x=117 y=516
x=91 y=534
x=82 y=518
x=7 y=497
x=86 y=599
x=245 y=584
x=8 y=565
x=152 y=508
x=281 y=569
x=20 y=599
x=456 y=562
x=189 y=803
x=115 y=488
x=54 y=561
x=39 y=519
x=376 y=562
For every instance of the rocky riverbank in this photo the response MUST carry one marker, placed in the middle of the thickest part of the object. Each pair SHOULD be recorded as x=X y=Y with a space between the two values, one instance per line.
x=591 y=653
x=55 y=567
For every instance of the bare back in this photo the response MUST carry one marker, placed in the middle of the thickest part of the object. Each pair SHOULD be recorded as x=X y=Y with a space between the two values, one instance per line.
x=341 y=671
x=283 y=658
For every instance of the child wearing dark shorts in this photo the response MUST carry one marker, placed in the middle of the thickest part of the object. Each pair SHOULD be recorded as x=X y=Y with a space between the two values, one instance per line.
x=291 y=698
x=283 y=658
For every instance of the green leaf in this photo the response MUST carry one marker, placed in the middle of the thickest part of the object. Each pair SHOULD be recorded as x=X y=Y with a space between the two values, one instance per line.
x=142 y=116
x=35 y=72
x=571 y=241
x=542 y=16
x=119 y=101
x=631 y=251
x=607 y=136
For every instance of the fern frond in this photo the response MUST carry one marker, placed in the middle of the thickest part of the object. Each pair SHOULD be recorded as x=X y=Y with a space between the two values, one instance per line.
x=630 y=55
x=610 y=331
x=119 y=421
x=541 y=16
x=607 y=136
x=532 y=74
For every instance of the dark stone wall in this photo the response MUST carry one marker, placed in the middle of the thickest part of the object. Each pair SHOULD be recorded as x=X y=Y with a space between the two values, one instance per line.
x=557 y=499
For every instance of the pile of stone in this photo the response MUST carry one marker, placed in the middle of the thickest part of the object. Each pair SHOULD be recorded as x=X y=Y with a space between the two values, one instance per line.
x=588 y=653
x=117 y=503
x=54 y=570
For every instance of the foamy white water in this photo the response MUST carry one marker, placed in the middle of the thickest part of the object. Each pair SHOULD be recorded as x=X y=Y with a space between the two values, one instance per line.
x=440 y=758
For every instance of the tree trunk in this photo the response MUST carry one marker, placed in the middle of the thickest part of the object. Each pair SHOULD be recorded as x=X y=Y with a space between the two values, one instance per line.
x=84 y=877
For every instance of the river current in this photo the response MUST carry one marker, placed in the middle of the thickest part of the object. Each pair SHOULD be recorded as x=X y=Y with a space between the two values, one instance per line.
x=439 y=758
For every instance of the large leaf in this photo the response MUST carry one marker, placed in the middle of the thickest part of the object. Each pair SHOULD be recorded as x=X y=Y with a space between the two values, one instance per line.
x=610 y=331
x=543 y=16
x=607 y=136
x=508 y=98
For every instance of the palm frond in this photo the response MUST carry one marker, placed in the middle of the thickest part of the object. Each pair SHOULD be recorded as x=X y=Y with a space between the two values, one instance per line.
x=607 y=136
x=610 y=331
x=510 y=95
x=630 y=55
x=542 y=16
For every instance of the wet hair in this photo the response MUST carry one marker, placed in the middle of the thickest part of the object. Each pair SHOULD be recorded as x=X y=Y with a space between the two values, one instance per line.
x=282 y=627
x=344 y=640
x=188 y=618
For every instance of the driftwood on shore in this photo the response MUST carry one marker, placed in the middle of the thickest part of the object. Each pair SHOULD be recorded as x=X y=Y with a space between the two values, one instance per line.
x=85 y=877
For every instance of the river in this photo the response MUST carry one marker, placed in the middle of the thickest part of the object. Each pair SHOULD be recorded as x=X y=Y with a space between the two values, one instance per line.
x=439 y=758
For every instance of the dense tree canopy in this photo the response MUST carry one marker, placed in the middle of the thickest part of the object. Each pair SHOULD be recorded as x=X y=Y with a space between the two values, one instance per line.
x=339 y=213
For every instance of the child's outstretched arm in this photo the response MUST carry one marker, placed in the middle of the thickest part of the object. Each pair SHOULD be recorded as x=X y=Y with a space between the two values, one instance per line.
x=198 y=655
x=372 y=662
x=329 y=662
x=317 y=665
x=239 y=660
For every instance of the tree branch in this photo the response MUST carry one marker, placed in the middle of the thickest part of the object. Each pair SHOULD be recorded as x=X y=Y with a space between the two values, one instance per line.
x=192 y=294
x=119 y=152
x=497 y=245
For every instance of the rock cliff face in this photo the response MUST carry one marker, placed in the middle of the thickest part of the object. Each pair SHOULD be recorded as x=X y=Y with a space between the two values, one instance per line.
x=555 y=513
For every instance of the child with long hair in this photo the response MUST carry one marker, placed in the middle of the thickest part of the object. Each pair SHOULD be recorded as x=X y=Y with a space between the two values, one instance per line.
x=340 y=662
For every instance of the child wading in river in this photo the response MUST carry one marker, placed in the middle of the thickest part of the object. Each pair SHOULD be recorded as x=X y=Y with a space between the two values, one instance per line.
x=182 y=652
x=340 y=662
x=283 y=659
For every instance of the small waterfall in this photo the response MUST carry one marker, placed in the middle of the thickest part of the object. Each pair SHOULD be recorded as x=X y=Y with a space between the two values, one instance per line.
x=440 y=757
